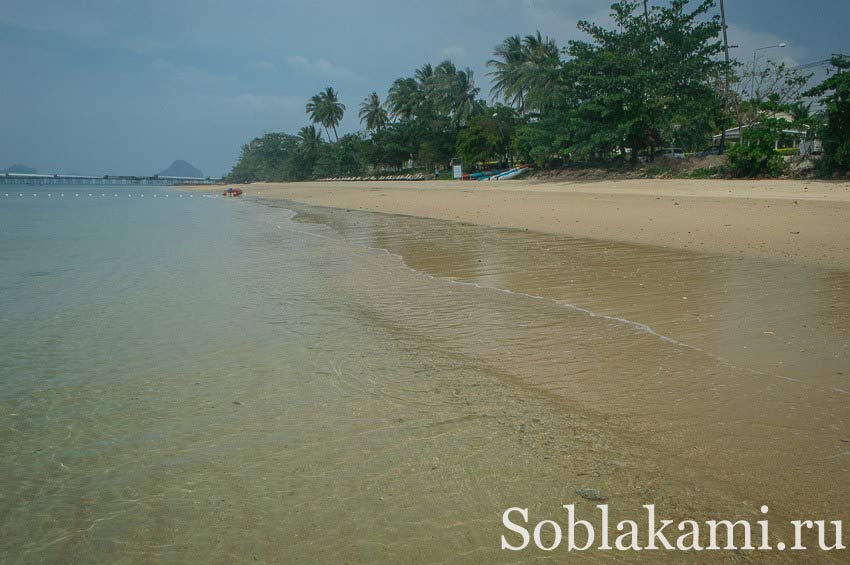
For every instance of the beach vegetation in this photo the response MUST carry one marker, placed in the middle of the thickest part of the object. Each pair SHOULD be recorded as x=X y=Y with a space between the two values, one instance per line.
x=524 y=71
x=488 y=135
x=757 y=155
x=373 y=113
x=266 y=158
x=705 y=173
x=834 y=131
x=658 y=169
x=652 y=78
x=325 y=108
x=648 y=82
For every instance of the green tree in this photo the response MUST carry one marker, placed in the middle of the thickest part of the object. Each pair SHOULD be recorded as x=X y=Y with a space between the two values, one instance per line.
x=265 y=158
x=303 y=160
x=524 y=71
x=539 y=71
x=343 y=158
x=334 y=110
x=488 y=135
x=835 y=97
x=404 y=98
x=373 y=112
x=507 y=72
x=309 y=138
x=395 y=144
x=435 y=103
x=453 y=92
x=326 y=109
x=316 y=111
x=548 y=139
x=647 y=79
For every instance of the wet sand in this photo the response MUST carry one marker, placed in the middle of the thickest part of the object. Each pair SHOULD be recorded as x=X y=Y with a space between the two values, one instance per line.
x=799 y=221
x=711 y=370
x=720 y=382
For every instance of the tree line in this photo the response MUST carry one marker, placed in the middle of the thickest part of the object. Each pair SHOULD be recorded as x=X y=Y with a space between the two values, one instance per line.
x=656 y=78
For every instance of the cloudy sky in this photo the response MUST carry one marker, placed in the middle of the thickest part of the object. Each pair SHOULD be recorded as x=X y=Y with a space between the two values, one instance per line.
x=126 y=87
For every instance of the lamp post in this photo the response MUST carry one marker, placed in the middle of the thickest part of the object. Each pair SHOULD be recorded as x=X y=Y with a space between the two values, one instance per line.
x=755 y=54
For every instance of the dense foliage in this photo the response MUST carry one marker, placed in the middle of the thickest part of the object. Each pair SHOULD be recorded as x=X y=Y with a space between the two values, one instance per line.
x=835 y=131
x=758 y=156
x=646 y=83
x=654 y=79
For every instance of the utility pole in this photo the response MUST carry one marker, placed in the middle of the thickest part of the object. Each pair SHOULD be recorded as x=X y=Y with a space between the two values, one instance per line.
x=726 y=82
x=646 y=14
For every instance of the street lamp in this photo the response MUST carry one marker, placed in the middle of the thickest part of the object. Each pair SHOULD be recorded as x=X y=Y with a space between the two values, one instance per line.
x=755 y=54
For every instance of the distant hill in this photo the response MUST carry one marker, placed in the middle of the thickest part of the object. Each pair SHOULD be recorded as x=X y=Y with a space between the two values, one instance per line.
x=181 y=169
x=20 y=169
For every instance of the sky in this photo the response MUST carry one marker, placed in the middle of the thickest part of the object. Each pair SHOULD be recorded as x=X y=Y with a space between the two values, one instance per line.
x=128 y=86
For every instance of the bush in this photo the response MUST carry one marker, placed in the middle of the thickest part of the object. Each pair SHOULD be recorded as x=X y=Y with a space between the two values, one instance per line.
x=756 y=156
x=841 y=156
x=754 y=161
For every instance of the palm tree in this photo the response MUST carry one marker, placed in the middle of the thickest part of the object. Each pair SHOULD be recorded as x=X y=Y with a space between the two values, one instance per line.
x=334 y=110
x=507 y=82
x=373 y=113
x=326 y=109
x=432 y=92
x=525 y=71
x=464 y=94
x=309 y=138
x=441 y=87
x=316 y=109
x=454 y=92
x=404 y=98
x=423 y=75
x=539 y=70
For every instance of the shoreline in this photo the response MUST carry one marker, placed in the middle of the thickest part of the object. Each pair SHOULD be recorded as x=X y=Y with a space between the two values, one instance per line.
x=797 y=221
x=742 y=358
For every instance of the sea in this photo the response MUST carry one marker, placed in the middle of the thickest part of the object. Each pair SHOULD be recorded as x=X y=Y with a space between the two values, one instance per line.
x=187 y=377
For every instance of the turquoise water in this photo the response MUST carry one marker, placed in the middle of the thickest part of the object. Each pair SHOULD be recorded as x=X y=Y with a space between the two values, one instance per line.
x=189 y=378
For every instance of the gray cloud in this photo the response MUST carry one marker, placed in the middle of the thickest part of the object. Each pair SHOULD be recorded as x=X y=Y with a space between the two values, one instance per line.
x=127 y=87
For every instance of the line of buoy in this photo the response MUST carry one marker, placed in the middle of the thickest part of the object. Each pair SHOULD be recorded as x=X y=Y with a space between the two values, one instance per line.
x=104 y=195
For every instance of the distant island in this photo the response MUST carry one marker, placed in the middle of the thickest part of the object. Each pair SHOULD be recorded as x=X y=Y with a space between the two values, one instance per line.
x=20 y=169
x=181 y=168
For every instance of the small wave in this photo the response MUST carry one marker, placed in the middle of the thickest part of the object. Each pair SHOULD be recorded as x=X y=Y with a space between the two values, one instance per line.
x=638 y=326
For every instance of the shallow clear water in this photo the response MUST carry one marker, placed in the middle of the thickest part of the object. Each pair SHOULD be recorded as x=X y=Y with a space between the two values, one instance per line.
x=196 y=378
x=190 y=378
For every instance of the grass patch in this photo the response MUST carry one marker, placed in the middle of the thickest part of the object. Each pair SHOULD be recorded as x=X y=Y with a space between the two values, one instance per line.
x=656 y=170
x=704 y=173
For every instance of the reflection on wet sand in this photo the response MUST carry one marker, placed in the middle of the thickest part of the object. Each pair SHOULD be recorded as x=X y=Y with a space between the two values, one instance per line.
x=747 y=401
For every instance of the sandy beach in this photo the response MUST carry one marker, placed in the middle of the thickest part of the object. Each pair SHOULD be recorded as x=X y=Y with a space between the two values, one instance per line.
x=730 y=380
x=799 y=221
x=378 y=387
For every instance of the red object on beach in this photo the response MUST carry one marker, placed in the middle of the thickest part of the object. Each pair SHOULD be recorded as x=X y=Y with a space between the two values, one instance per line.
x=232 y=192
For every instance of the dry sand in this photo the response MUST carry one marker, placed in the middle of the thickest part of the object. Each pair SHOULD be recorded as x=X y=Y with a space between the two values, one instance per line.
x=800 y=221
